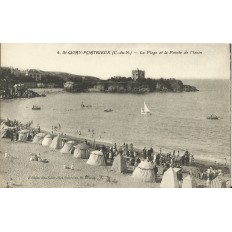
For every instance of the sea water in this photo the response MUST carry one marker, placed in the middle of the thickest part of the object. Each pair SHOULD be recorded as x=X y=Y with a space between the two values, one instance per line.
x=177 y=121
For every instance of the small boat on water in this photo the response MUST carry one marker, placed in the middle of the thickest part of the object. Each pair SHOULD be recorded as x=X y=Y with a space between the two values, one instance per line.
x=145 y=110
x=36 y=108
x=108 y=110
x=213 y=117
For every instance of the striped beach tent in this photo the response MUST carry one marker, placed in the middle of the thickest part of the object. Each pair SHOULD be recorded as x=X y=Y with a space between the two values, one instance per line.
x=218 y=183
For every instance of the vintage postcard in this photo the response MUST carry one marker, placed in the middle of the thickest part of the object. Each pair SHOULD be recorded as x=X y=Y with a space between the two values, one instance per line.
x=115 y=116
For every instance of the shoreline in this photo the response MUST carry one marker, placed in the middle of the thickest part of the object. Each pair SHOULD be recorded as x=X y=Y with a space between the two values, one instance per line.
x=80 y=138
x=26 y=173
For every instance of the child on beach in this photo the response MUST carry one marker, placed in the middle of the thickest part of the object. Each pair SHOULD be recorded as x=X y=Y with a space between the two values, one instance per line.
x=6 y=154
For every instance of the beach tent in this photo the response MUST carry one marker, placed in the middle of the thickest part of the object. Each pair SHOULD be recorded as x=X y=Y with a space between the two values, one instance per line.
x=119 y=164
x=81 y=151
x=144 y=172
x=4 y=129
x=189 y=182
x=96 y=158
x=68 y=147
x=39 y=138
x=169 y=179
x=23 y=134
x=56 y=142
x=47 y=140
x=218 y=183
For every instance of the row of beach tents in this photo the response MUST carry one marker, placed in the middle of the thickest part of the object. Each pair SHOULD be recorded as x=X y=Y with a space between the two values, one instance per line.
x=81 y=150
x=144 y=172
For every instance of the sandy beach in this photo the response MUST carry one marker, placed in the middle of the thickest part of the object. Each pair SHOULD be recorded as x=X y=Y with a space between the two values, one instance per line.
x=26 y=173
x=21 y=172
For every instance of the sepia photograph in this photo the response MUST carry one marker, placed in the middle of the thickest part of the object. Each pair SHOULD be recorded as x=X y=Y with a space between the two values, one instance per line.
x=115 y=115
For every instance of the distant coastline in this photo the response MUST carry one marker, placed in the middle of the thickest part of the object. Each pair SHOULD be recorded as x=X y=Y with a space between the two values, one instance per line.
x=17 y=83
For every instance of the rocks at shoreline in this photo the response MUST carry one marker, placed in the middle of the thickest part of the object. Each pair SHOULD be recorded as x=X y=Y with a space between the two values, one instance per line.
x=127 y=85
x=20 y=94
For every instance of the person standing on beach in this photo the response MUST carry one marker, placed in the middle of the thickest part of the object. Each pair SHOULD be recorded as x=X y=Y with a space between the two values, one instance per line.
x=225 y=162
x=33 y=134
x=11 y=135
x=156 y=170
x=157 y=159
x=17 y=135
x=180 y=177
x=144 y=153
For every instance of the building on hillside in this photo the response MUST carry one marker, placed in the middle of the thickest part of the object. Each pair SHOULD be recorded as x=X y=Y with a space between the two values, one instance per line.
x=15 y=71
x=138 y=74
x=35 y=74
x=69 y=85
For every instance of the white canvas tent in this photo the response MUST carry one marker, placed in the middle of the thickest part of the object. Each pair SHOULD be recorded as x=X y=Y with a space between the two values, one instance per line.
x=81 y=151
x=4 y=129
x=169 y=179
x=23 y=134
x=68 y=147
x=47 y=140
x=39 y=138
x=144 y=172
x=119 y=164
x=96 y=158
x=56 y=142
x=189 y=182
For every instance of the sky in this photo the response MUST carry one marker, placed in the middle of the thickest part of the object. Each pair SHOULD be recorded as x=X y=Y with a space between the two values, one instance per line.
x=180 y=61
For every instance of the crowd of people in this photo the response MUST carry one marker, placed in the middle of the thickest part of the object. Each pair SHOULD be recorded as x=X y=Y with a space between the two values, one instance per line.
x=161 y=161
x=16 y=126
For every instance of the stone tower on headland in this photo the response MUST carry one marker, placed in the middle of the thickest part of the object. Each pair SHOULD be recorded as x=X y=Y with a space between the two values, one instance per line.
x=138 y=74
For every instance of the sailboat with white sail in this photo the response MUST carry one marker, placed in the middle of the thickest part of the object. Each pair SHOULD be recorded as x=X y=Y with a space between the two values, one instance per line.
x=144 y=109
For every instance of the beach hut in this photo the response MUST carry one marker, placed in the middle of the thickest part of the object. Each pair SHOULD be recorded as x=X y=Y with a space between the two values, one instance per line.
x=23 y=134
x=96 y=158
x=169 y=179
x=119 y=164
x=39 y=138
x=4 y=130
x=189 y=182
x=144 y=172
x=47 y=140
x=56 y=142
x=218 y=183
x=82 y=151
x=68 y=147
